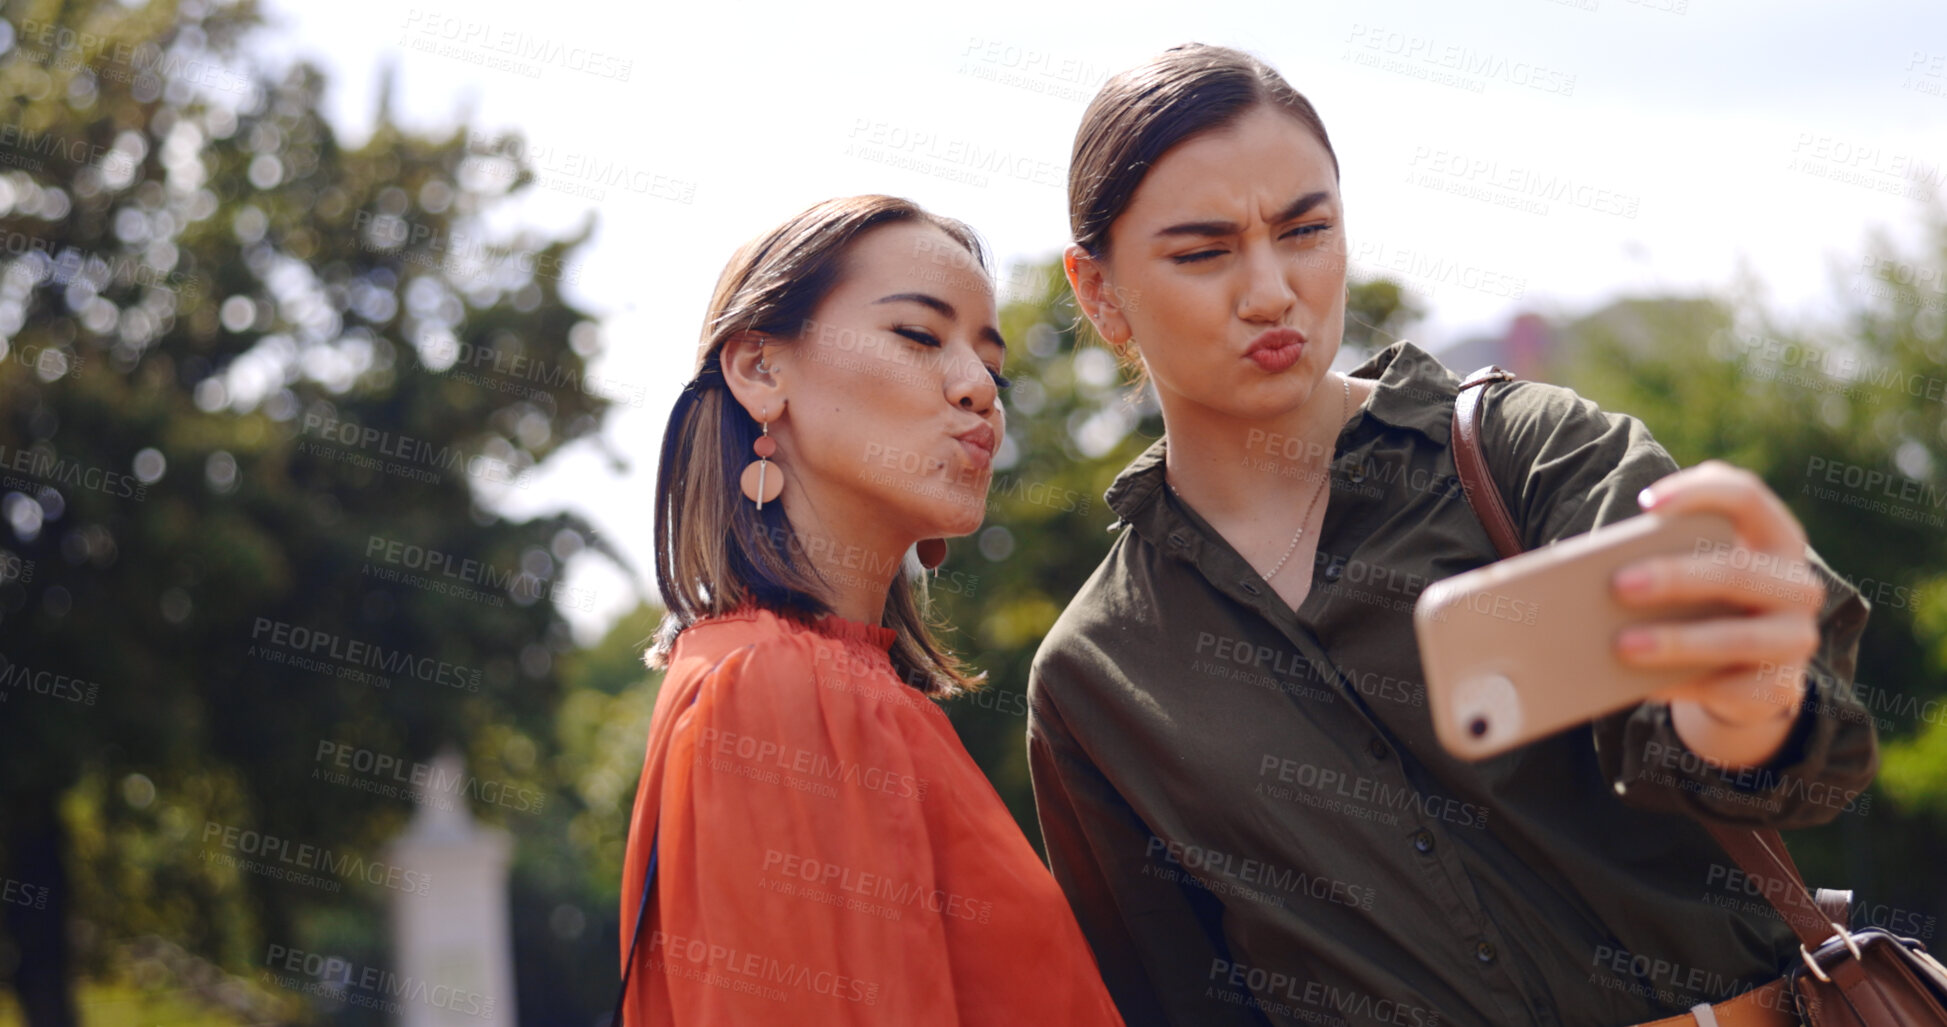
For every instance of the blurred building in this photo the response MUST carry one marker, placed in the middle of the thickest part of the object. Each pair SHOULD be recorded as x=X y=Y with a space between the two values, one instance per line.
x=1527 y=348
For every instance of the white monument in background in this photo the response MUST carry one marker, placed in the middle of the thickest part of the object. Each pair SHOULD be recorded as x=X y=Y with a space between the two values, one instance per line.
x=450 y=940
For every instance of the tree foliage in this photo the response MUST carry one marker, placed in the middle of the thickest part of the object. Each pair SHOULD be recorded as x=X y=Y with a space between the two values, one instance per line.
x=258 y=390
x=1848 y=424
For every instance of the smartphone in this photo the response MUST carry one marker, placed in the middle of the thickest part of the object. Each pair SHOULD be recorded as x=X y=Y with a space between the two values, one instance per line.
x=1525 y=647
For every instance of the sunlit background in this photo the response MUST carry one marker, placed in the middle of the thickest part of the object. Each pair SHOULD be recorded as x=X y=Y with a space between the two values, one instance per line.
x=336 y=340
x=1558 y=154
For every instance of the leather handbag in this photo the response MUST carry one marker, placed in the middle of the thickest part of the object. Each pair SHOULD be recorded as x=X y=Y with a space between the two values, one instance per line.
x=1870 y=977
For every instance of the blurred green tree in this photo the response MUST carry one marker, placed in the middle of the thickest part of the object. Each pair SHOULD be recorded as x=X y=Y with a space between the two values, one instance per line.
x=1377 y=311
x=258 y=391
x=1848 y=424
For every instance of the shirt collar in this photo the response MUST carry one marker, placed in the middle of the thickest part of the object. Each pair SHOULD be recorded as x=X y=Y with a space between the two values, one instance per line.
x=1415 y=392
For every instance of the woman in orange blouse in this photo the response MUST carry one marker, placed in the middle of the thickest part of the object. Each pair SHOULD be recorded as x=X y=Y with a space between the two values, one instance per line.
x=820 y=847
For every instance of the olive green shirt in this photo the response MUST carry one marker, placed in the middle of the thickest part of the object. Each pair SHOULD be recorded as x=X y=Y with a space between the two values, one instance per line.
x=1249 y=813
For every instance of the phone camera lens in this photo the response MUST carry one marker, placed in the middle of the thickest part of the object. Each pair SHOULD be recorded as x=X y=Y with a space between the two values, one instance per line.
x=1477 y=727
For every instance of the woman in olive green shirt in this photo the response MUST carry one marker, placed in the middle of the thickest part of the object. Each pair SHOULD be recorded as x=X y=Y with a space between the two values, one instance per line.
x=1233 y=763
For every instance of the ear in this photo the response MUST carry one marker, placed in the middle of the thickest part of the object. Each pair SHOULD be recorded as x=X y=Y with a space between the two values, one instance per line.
x=1100 y=301
x=761 y=392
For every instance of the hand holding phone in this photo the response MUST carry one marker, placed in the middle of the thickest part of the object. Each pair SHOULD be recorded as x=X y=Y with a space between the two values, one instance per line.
x=1525 y=647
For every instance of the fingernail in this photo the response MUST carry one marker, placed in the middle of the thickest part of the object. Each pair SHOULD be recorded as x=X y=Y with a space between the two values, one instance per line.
x=1633 y=579
x=1637 y=640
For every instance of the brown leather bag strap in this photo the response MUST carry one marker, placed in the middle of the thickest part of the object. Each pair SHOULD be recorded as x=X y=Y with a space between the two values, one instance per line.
x=1761 y=854
x=1471 y=462
x=1769 y=1005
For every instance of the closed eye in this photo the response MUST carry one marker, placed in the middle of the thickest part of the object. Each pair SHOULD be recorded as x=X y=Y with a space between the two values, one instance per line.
x=1300 y=231
x=926 y=338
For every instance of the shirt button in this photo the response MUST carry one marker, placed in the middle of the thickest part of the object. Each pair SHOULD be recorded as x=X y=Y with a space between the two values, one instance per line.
x=1357 y=475
x=1377 y=747
x=1423 y=840
x=1484 y=952
x=1334 y=570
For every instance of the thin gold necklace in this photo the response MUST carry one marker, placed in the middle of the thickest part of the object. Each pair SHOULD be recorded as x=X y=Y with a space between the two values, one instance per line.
x=1345 y=407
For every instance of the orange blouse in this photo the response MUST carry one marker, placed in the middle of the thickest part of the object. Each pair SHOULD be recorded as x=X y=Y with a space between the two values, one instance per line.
x=828 y=853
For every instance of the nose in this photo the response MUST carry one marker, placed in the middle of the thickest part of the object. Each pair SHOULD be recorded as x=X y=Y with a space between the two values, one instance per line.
x=969 y=386
x=1267 y=294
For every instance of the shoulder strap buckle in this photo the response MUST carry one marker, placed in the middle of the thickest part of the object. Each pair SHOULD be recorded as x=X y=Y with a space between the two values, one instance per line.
x=1490 y=373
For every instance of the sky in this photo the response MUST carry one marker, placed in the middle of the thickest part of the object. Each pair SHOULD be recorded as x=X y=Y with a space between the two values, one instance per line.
x=1497 y=156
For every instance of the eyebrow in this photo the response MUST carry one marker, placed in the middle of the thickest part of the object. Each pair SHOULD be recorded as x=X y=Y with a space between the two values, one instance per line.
x=945 y=309
x=1297 y=208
